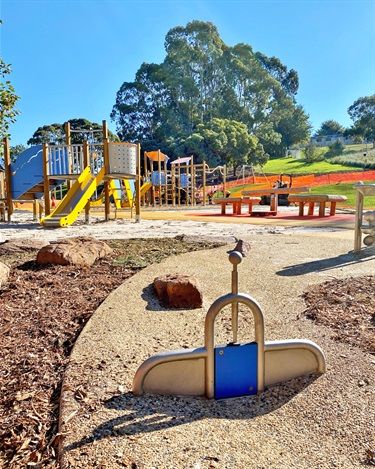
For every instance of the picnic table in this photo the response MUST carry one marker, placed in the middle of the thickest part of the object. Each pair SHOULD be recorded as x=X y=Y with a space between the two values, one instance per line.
x=274 y=193
x=321 y=199
x=236 y=203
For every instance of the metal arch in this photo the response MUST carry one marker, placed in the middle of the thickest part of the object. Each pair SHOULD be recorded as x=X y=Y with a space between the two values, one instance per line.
x=209 y=340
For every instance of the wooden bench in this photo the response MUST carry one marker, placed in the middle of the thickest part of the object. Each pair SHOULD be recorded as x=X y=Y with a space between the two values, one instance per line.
x=312 y=199
x=237 y=203
x=274 y=193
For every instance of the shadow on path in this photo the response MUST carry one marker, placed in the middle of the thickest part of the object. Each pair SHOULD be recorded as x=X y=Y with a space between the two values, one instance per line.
x=150 y=413
x=319 y=265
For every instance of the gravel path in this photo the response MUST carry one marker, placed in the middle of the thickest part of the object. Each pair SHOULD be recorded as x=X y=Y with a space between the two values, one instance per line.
x=323 y=422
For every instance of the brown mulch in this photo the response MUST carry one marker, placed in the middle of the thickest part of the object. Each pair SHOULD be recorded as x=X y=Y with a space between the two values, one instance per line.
x=44 y=308
x=42 y=311
x=348 y=307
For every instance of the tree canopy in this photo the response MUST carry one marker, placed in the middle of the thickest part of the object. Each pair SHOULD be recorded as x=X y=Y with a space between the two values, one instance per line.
x=330 y=127
x=54 y=134
x=205 y=87
x=362 y=112
x=8 y=97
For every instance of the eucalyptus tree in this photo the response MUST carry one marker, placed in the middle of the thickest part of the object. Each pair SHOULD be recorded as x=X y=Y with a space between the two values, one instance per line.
x=139 y=103
x=202 y=79
x=288 y=79
x=83 y=130
x=192 y=69
x=362 y=112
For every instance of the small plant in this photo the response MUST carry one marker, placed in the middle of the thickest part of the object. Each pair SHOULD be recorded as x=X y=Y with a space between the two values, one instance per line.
x=313 y=154
x=335 y=149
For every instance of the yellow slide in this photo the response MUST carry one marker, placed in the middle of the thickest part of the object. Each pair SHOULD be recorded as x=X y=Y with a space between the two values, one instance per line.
x=114 y=191
x=145 y=187
x=130 y=189
x=74 y=201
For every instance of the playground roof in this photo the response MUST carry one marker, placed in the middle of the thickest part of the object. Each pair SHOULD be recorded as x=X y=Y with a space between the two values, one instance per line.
x=186 y=160
x=156 y=155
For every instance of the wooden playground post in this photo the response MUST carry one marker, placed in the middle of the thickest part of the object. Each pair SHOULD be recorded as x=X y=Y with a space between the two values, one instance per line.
x=8 y=178
x=165 y=182
x=86 y=162
x=173 y=181
x=105 y=129
x=192 y=182
x=224 y=179
x=68 y=141
x=47 y=202
x=204 y=181
x=107 y=207
x=159 y=175
x=138 y=186
x=145 y=176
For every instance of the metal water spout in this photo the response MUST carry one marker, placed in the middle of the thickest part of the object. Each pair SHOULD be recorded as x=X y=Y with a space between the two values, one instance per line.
x=235 y=258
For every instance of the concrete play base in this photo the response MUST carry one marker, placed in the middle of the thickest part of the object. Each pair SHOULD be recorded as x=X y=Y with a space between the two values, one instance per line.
x=234 y=369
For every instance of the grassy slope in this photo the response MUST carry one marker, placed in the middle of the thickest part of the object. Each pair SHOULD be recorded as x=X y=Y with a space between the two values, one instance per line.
x=298 y=166
x=345 y=188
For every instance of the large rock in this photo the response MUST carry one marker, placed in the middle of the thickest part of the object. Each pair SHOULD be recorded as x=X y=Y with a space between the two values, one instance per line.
x=243 y=247
x=178 y=291
x=4 y=273
x=74 y=251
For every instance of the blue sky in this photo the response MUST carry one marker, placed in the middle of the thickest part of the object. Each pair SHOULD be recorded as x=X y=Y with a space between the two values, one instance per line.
x=69 y=58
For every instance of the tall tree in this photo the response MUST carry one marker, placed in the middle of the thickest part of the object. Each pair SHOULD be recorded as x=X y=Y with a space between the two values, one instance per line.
x=225 y=141
x=83 y=130
x=288 y=79
x=362 y=112
x=202 y=79
x=139 y=103
x=8 y=100
x=52 y=134
x=330 y=127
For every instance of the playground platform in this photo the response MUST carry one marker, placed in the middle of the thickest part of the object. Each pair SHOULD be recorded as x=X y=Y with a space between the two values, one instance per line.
x=284 y=426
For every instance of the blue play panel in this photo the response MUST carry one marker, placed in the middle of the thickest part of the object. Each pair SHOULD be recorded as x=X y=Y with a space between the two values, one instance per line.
x=236 y=369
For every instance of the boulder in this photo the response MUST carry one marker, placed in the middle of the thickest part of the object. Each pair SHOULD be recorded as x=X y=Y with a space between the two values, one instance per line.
x=82 y=251
x=178 y=291
x=243 y=247
x=4 y=273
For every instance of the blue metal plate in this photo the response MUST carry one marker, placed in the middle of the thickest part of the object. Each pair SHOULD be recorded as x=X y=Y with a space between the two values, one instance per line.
x=236 y=369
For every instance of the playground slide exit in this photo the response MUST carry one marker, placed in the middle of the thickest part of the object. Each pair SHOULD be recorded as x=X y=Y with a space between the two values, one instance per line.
x=114 y=191
x=75 y=200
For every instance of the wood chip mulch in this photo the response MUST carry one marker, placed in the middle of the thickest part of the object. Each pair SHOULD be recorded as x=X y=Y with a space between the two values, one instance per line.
x=42 y=311
x=348 y=307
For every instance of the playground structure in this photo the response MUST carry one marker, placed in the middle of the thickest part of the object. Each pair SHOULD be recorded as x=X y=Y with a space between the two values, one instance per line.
x=235 y=369
x=185 y=183
x=40 y=170
x=363 y=190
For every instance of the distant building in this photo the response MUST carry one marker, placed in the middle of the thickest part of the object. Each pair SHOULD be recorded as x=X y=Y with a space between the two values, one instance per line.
x=326 y=140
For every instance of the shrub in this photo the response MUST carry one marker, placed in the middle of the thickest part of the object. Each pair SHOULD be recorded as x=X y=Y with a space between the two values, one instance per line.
x=335 y=149
x=313 y=153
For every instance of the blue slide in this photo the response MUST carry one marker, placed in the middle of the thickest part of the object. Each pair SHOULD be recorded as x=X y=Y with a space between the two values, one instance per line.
x=27 y=173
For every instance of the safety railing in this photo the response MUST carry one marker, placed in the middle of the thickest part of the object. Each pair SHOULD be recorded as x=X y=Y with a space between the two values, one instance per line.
x=70 y=159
